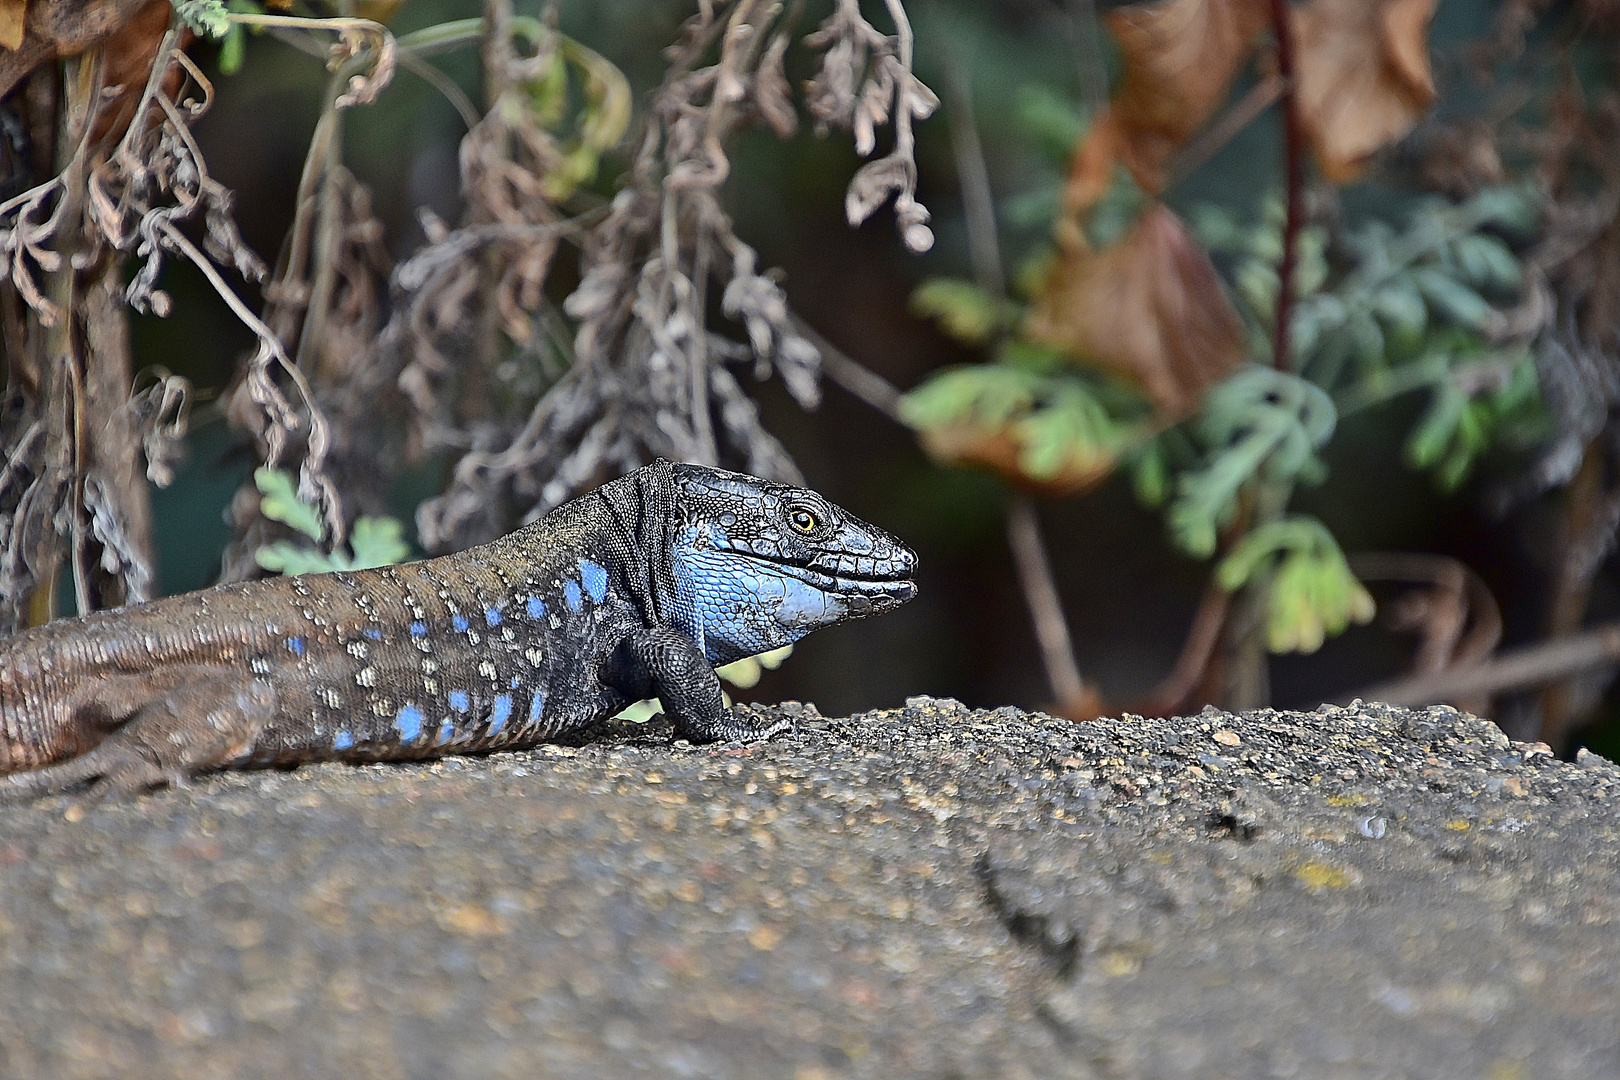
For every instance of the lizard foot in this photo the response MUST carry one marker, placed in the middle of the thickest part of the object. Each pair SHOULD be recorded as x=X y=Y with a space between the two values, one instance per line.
x=741 y=723
x=166 y=741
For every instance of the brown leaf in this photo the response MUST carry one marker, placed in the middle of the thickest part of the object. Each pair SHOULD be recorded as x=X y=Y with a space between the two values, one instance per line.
x=129 y=56
x=62 y=28
x=1150 y=307
x=1180 y=57
x=1091 y=167
x=13 y=13
x=1363 y=73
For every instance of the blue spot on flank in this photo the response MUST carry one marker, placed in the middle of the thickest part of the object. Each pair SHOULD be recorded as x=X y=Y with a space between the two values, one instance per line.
x=536 y=608
x=571 y=595
x=537 y=706
x=595 y=579
x=374 y=635
x=296 y=644
x=459 y=623
x=418 y=629
x=343 y=741
x=458 y=700
x=447 y=731
x=516 y=682
x=503 y=710
x=492 y=616
x=408 y=723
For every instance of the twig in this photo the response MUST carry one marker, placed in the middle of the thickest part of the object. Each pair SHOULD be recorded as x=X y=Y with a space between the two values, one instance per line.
x=984 y=247
x=851 y=374
x=444 y=84
x=1532 y=666
x=1464 y=638
x=1183 y=681
x=1590 y=512
x=1023 y=527
x=1045 y=608
x=1293 y=166
x=1206 y=143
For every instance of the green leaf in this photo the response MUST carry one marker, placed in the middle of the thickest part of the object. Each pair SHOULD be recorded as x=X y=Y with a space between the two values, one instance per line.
x=1256 y=282
x=1516 y=208
x=280 y=502
x=1452 y=298
x=1366 y=341
x=1401 y=308
x=1437 y=427
x=985 y=394
x=1150 y=474
x=207 y=17
x=746 y=672
x=233 y=50
x=1312 y=593
x=1487 y=263
x=962 y=309
x=1259 y=423
x=1049 y=119
x=1310 y=254
x=378 y=541
x=284 y=557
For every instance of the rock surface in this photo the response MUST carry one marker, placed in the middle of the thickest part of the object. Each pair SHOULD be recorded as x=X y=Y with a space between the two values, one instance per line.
x=924 y=892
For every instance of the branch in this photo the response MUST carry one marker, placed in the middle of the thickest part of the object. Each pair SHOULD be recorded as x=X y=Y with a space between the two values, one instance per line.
x=851 y=374
x=1045 y=608
x=1293 y=166
x=1192 y=665
x=1513 y=670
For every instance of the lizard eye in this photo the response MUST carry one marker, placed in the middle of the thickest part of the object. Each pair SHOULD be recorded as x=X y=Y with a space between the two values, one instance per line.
x=803 y=520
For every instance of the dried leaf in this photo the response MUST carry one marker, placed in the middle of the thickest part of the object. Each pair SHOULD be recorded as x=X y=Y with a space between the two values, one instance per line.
x=63 y=28
x=772 y=94
x=1180 y=56
x=872 y=185
x=1364 y=79
x=13 y=13
x=1091 y=168
x=1150 y=307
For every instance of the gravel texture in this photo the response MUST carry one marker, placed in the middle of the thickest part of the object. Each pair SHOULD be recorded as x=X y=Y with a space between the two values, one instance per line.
x=924 y=892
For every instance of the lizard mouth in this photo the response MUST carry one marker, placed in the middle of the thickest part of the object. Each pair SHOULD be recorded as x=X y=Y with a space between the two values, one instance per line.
x=861 y=592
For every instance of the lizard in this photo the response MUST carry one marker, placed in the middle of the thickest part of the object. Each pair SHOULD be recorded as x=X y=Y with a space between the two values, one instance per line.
x=637 y=589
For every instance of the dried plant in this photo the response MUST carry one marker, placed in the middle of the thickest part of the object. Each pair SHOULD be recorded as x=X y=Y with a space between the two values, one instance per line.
x=133 y=185
x=468 y=346
x=647 y=375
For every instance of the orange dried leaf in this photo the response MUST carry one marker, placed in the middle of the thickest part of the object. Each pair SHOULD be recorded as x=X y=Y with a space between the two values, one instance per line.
x=128 y=58
x=13 y=16
x=1091 y=165
x=1180 y=57
x=1150 y=307
x=1363 y=74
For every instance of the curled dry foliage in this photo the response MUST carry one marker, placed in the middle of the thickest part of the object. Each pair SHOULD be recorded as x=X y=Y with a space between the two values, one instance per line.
x=134 y=186
x=71 y=468
x=648 y=377
x=865 y=81
x=1150 y=307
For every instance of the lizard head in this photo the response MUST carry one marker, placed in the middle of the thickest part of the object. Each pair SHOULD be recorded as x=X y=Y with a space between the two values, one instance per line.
x=758 y=565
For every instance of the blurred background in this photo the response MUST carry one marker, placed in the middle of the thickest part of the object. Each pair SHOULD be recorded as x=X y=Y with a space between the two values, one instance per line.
x=1063 y=126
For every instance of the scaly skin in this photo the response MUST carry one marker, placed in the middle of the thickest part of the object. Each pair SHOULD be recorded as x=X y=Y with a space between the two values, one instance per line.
x=634 y=590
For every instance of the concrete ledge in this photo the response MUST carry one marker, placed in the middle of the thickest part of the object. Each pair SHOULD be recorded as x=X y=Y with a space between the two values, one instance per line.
x=924 y=892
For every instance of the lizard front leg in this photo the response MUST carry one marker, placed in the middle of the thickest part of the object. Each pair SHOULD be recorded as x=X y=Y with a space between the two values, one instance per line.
x=192 y=718
x=667 y=664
